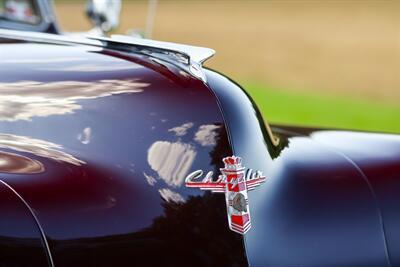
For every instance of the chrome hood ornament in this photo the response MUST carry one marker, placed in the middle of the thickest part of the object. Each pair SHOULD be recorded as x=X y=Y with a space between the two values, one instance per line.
x=235 y=182
x=189 y=58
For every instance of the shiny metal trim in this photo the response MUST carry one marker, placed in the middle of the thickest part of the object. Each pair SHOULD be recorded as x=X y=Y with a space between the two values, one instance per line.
x=191 y=58
x=235 y=182
x=187 y=57
x=40 y=228
x=48 y=19
x=47 y=37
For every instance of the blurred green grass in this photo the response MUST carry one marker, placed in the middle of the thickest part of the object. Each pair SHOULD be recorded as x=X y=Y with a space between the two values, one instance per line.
x=322 y=110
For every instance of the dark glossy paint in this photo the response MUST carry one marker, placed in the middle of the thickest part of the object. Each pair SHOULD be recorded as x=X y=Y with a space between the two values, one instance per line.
x=21 y=240
x=377 y=157
x=116 y=134
x=318 y=208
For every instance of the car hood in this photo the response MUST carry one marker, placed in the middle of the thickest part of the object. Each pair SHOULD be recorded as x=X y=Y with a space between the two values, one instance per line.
x=99 y=143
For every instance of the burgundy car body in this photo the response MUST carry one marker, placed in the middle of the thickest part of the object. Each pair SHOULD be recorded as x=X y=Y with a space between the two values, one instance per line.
x=95 y=144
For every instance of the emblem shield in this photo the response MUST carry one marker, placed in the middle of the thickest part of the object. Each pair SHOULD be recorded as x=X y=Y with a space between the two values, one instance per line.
x=235 y=182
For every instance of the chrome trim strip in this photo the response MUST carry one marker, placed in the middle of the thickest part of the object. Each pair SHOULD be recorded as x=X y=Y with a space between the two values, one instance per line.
x=41 y=231
x=194 y=53
x=47 y=37
x=190 y=58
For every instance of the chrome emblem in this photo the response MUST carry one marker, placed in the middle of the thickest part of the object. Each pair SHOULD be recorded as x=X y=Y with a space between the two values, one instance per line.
x=235 y=182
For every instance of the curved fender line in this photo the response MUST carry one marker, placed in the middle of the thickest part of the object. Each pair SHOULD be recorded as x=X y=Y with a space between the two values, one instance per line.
x=372 y=191
x=50 y=259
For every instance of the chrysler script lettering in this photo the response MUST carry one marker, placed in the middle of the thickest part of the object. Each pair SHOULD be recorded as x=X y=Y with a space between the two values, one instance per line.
x=235 y=182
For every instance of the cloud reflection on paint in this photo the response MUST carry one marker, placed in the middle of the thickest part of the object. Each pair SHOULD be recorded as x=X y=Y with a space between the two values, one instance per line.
x=206 y=135
x=171 y=196
x=171 y=161
x=150 y=179
x=182 y=129
x=85 y=136
x=92 y=68
x=24 y=100
x=37 y=147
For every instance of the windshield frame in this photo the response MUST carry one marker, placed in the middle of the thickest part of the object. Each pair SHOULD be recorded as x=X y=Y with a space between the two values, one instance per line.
x=47 y=21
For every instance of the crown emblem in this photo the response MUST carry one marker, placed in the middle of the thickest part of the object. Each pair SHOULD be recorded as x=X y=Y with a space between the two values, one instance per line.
x=232 y=161
x=235 y=182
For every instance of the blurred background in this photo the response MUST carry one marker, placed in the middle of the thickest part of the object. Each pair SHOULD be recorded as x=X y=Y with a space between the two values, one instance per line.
x=318 y=63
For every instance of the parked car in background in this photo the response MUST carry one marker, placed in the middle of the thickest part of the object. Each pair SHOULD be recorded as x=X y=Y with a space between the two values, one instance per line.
x=120 y=151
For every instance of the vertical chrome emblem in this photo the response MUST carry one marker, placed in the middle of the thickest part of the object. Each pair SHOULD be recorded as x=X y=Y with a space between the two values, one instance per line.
x=235 y=182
